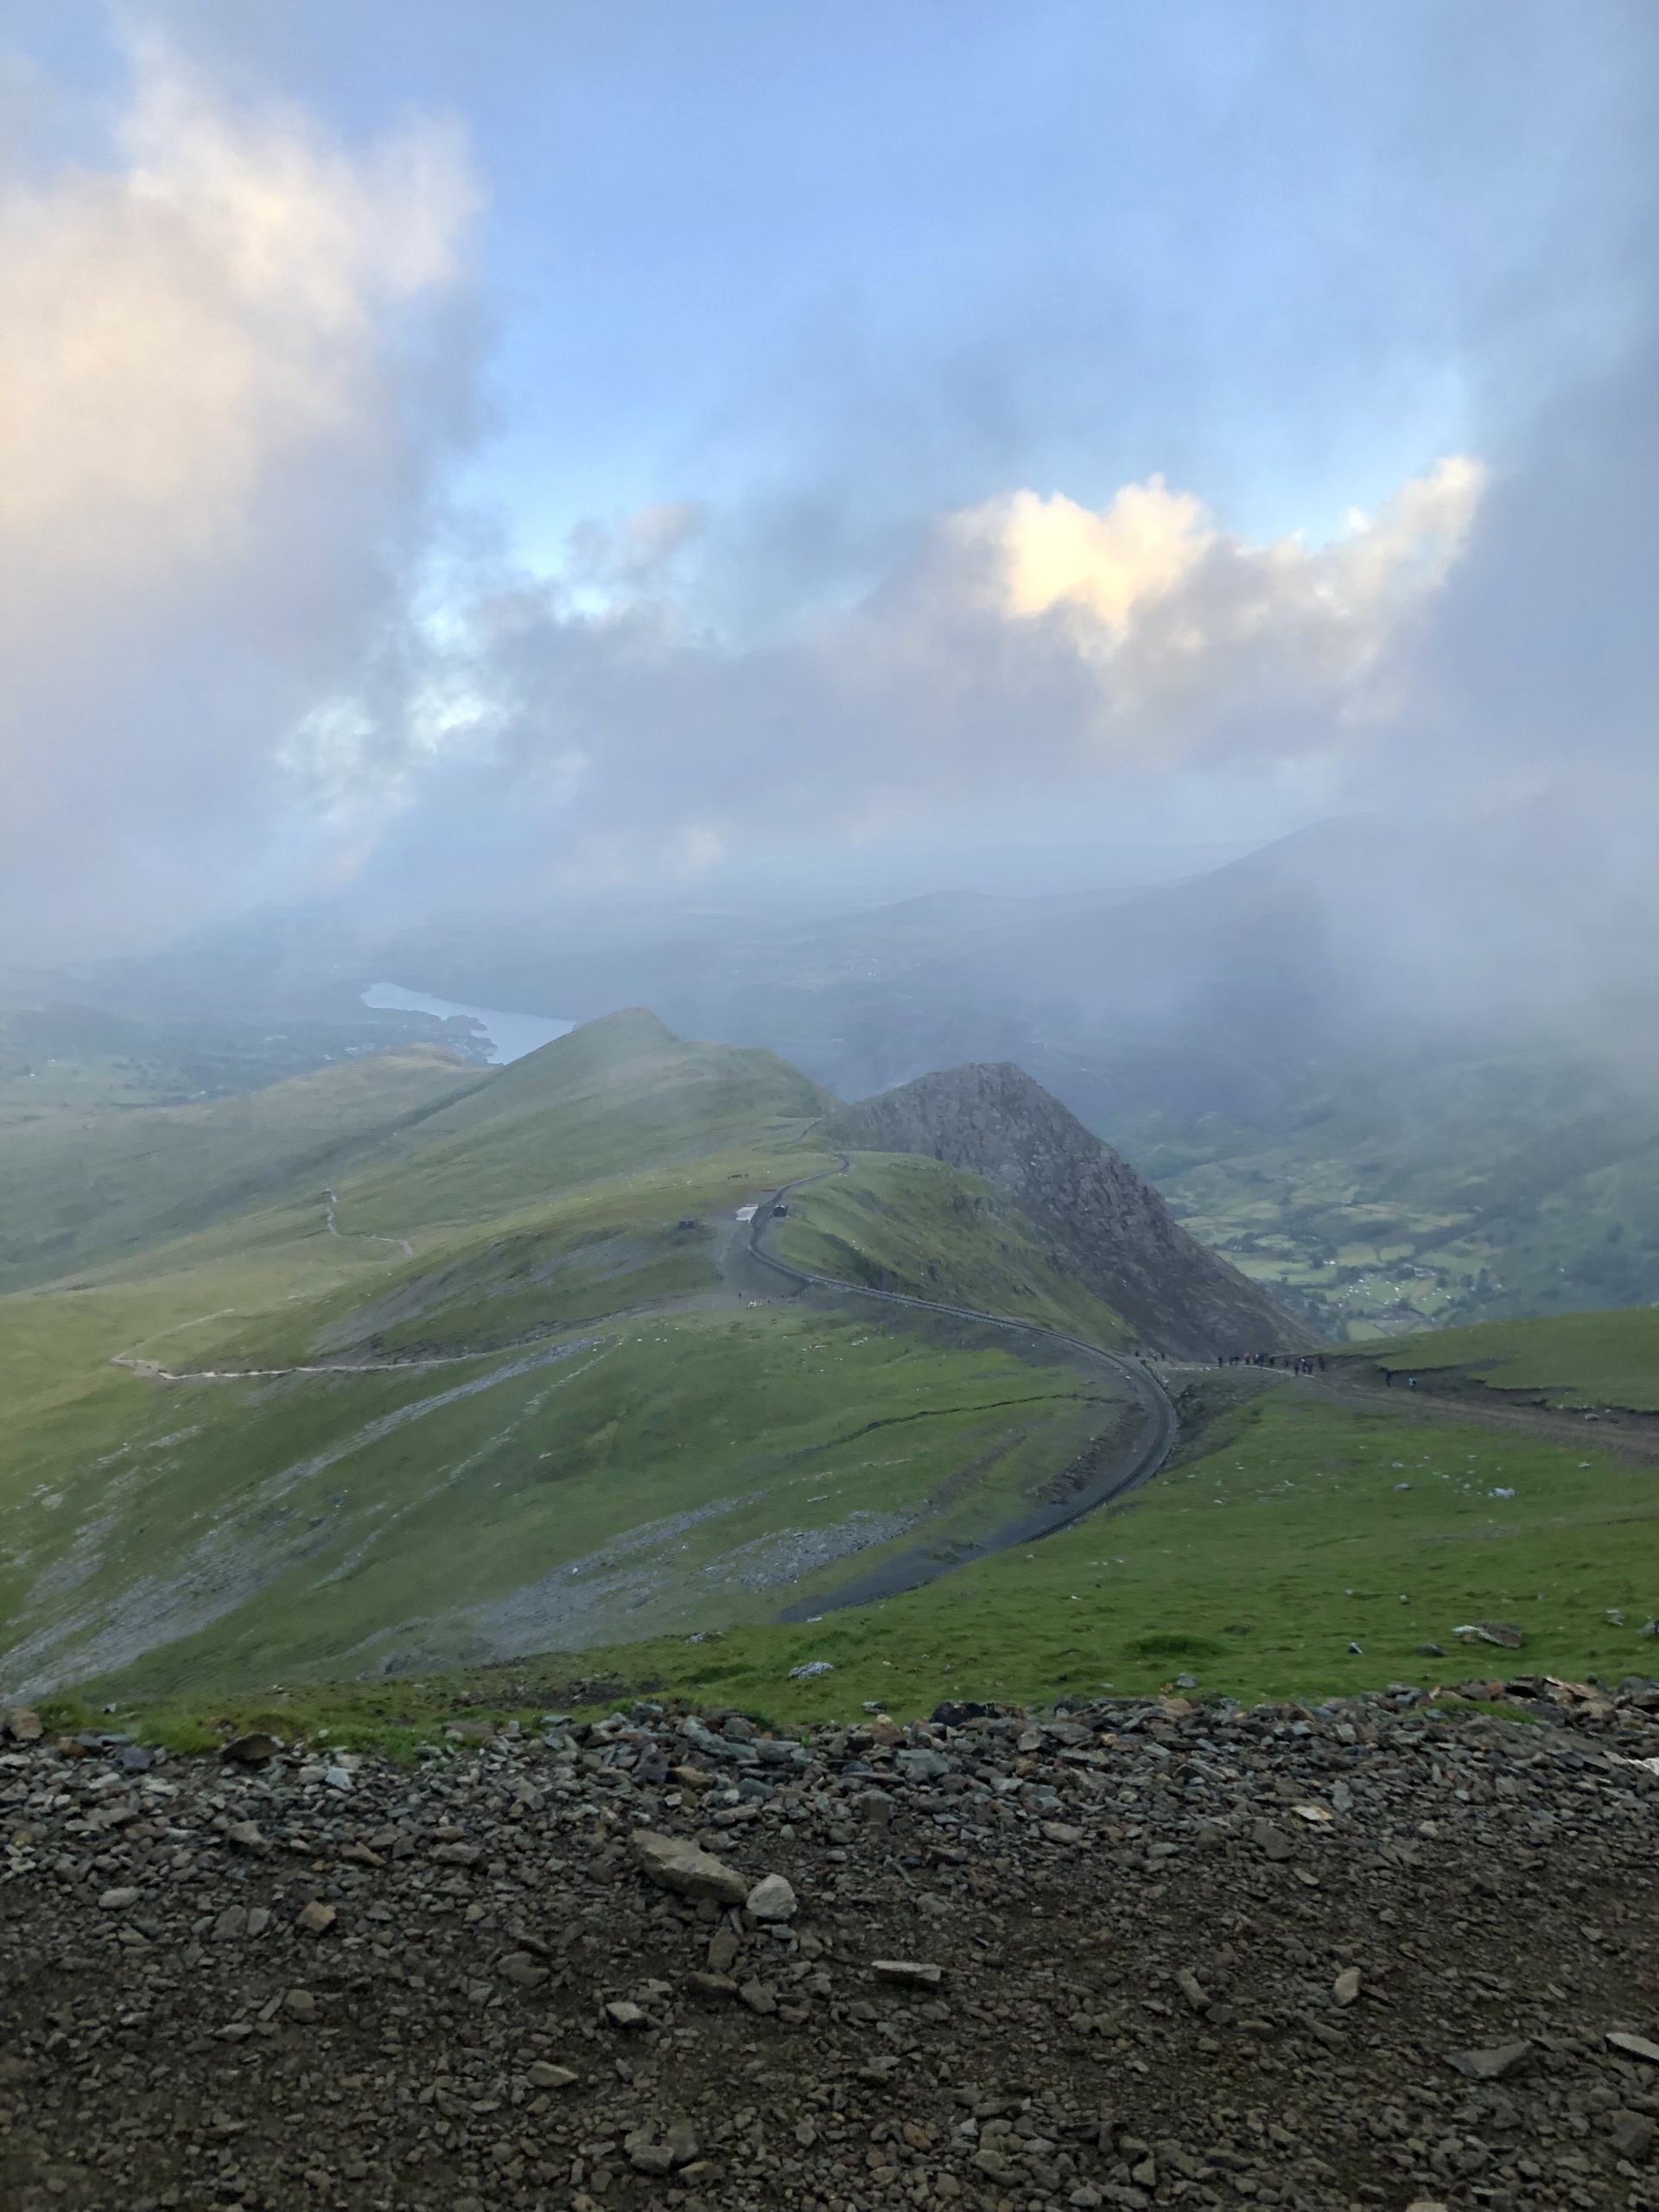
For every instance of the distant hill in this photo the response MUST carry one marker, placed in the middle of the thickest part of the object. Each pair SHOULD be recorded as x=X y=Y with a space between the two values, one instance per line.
x=1103 y=1221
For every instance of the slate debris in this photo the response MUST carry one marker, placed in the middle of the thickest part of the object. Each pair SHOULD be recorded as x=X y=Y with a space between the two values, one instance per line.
x=1096 y=1957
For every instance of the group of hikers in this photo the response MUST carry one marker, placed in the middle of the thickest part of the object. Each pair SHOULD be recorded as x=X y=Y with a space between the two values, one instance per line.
x=1298 y=1363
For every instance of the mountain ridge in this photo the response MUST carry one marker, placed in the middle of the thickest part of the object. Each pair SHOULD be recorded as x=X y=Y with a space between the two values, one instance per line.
x=1105 y=1223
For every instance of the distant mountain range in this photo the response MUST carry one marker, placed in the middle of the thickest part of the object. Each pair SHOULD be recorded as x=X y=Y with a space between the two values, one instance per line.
x=1370 y=1064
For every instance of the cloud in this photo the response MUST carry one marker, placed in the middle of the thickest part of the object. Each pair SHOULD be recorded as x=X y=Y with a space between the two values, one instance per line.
x=222 y=398
x=1028 y=652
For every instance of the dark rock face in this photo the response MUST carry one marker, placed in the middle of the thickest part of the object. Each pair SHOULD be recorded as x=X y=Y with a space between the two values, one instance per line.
x=1104 y=1223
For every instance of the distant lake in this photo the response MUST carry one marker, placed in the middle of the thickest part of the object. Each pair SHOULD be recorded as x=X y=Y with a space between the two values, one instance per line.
x=510 y=1035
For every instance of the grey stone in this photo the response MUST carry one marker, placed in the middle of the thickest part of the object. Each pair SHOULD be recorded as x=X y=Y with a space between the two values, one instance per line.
x=1491 y=2065
x=921 y=1765
x=771 y=1899
x=675 y=1864
x=653 y=2149
x=541 y=2075
x=1632 y=2135
x=253 y=1749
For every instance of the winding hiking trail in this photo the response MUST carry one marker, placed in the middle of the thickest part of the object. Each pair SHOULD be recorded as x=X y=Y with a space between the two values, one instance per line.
x=909 y=1570
x=331 y=1215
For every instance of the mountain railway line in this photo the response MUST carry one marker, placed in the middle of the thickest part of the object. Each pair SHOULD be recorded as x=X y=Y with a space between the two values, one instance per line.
x=1160 y=1426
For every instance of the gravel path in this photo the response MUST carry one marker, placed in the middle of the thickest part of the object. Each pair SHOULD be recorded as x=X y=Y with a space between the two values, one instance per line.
x=1134 y=1956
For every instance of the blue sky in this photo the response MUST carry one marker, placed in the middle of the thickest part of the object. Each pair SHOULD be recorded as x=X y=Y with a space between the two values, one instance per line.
x=828 y=275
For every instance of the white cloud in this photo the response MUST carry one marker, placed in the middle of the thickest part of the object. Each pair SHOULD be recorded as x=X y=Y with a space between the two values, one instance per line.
x=208 y=472
x=1182 y=621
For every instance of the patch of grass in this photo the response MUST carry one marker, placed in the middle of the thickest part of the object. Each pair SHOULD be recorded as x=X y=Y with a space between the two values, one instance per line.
x=1577 y=1359
x=700 y=1467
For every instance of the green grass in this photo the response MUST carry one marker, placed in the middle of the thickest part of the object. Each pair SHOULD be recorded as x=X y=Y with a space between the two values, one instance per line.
x=84 y=1190
x=695 y=1469
x=1576 y=1359
x=898 y=1222
x=615 y=1432
x=1253 y=1567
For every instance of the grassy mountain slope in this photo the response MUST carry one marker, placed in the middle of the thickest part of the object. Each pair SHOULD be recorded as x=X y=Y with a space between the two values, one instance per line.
x=901 y=1222
x=1252 y=1564
x=502 y=1385
x=81 y=1191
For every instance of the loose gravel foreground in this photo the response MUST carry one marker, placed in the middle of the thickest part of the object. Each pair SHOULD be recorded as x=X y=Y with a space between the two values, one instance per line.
x=1377 y=1955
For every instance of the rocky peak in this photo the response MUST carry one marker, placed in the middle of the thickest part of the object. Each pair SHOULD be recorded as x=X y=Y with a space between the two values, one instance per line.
x=1104 y=1221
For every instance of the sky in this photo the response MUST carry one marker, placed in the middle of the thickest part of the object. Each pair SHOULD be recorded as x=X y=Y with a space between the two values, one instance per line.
x=606 y=450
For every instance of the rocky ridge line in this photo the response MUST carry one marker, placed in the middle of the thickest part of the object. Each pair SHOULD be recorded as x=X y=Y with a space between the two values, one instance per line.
x=1105 y=1224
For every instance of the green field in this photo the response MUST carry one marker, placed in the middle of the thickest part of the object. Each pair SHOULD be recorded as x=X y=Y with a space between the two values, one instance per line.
x=1572 y=1359
x=1253 y=1567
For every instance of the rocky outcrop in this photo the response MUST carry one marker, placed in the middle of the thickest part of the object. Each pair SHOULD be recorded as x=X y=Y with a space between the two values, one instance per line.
x=1102 y=1221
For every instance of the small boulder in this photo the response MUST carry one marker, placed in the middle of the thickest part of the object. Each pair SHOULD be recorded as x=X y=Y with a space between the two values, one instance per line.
x=910 y=1973
x=255 y=1749
x=542 y=2075
x=654 y=2149
x=1632 y=2135
x=771 y=1899
x=674 y=1864
x=524 y=1971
